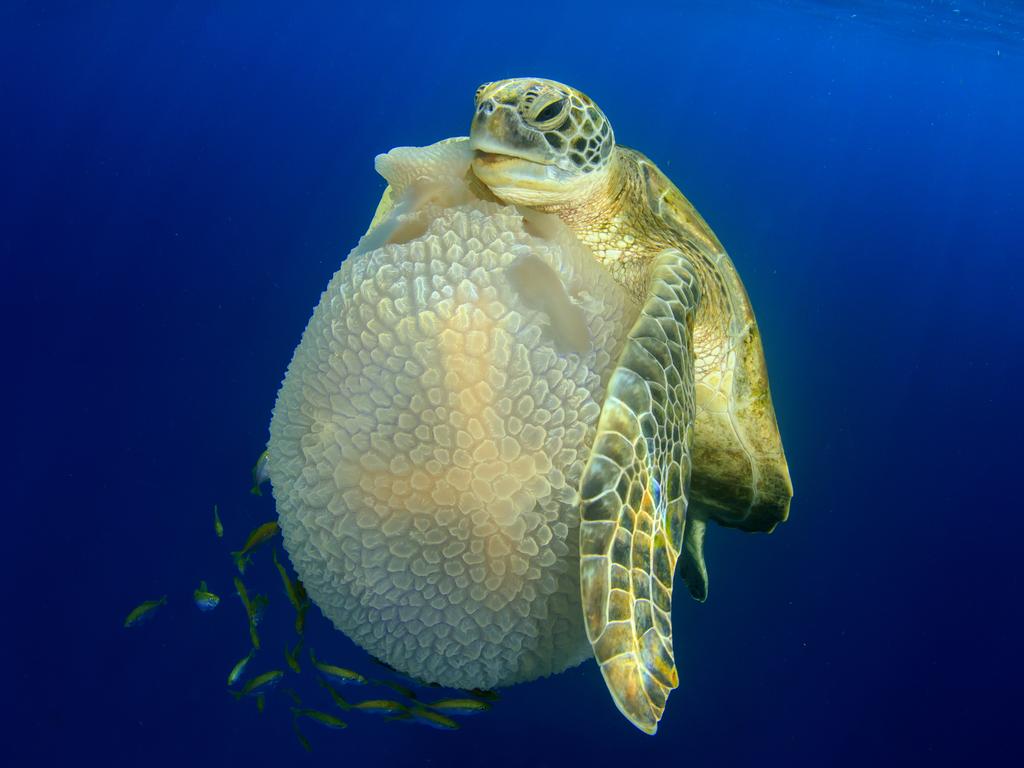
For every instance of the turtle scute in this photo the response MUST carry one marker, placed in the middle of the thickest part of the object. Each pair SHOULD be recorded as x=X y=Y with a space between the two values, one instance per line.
x=429 y=436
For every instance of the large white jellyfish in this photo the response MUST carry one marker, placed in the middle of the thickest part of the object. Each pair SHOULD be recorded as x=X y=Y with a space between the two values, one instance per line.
x=428 y=439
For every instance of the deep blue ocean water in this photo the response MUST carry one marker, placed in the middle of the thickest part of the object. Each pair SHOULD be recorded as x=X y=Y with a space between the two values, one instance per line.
x=181 y=180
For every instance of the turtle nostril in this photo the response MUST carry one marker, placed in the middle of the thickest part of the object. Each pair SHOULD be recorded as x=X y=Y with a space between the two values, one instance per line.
x=486 y=107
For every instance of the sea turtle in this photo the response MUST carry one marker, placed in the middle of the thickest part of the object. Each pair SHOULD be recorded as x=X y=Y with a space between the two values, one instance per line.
x=687 y=432
x=481 y=452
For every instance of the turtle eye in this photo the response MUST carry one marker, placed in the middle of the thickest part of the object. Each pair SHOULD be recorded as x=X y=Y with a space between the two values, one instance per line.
x=550 y=115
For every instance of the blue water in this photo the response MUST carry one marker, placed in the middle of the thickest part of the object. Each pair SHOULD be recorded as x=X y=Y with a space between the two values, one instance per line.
x=181 y=180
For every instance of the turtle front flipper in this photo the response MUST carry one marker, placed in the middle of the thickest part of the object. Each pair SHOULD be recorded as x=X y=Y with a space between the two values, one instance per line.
x=634 y=497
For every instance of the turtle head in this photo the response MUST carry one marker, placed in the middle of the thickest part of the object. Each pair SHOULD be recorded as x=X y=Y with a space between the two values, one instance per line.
x=539 y=143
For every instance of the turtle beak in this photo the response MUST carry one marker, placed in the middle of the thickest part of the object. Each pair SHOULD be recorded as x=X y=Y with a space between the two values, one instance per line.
x=498 y=132
x=513 y=159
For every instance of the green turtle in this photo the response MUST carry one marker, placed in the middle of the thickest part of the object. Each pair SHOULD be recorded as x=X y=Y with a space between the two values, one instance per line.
x=518 y=403
x=687 y=431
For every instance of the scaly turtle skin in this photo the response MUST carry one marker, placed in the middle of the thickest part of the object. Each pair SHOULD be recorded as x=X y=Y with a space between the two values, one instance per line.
x=687 y=432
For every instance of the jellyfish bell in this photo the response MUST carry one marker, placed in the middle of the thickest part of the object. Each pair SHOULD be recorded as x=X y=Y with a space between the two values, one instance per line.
x=427 y=442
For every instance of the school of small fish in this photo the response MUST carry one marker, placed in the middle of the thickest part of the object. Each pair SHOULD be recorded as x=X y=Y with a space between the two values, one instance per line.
x=409 y=707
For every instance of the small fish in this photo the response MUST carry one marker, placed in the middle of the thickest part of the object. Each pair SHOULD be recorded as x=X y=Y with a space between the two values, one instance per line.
x=259 y=535
x=218 y=527
x=292 y=657
x=260 y=473
x=205 y=600
x=244 y=596
x=259 y=605
x=485 y=695
x=402 y=676
x=260 y=702
x=260 y=684
x=144 y=612
x=459 y=706
x=433 y=719
x=290 y=692
x=296 y=595
x=239 y=669
x=339 y=702
x=302 y=739
x=286 y=580
x=337 y=674
x=398 y=688
x=380 y=706
x=320 y=717
x=304 y=602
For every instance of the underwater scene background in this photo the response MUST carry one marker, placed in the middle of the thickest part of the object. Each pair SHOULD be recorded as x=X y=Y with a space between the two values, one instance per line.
x=182 y=180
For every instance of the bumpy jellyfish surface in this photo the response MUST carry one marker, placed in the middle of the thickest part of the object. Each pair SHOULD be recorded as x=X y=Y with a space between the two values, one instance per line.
x=429 y=436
